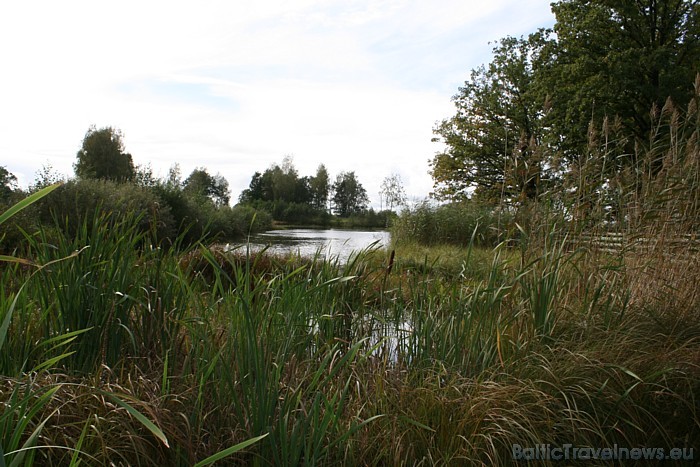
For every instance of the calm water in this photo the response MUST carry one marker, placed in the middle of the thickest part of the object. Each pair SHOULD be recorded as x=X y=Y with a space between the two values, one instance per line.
x=329 y=243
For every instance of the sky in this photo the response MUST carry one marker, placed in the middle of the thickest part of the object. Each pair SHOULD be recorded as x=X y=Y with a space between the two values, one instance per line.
x=235 y=86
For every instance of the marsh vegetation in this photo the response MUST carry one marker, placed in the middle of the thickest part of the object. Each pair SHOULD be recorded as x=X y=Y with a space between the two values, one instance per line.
x=499 y=318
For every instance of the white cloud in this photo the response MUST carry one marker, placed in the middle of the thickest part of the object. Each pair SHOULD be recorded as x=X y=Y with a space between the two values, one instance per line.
x=234 y=86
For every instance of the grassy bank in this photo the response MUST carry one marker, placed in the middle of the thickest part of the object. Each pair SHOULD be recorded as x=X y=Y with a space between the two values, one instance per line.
x=112 y=351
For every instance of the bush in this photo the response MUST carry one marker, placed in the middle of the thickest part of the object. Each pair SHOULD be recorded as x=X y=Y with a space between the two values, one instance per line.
x=249 y=219
x=292 y=213
x=78 y=202
x=370 y=219
x=197 y=218
x=453 y=223
x=12 y=231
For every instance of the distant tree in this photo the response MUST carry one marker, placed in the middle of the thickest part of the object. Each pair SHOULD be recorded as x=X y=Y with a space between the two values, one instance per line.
x=44 y=177
x=392 y=191
x=349 y=196
x=254 y=191
x=201 y=183
x=320 y=187
x=174 y=179
x=8 y=183
x=279 y=183
x=284 y=180
x=144 y=176
x=102 y=156
x=302 y=191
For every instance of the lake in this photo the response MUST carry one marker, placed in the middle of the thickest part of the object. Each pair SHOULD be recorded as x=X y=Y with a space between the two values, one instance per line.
x=329 y=243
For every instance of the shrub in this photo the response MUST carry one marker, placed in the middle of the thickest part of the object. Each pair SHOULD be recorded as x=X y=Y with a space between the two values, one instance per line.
x=453 y=223
x=78 y=202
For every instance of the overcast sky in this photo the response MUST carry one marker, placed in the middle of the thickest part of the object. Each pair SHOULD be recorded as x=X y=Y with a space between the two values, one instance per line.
x=234 y=86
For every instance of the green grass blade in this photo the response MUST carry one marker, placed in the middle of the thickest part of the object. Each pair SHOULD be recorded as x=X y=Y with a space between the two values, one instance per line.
x=75 y=461
x=33 y=198
x=157 y=432
x=227 y=452
x=29 y=444
x=8 y=317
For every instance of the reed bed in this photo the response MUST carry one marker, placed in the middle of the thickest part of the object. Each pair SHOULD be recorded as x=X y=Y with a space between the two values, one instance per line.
x=116 y=352
x=119 y=353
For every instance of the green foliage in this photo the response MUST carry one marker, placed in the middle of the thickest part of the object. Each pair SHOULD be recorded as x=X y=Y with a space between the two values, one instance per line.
x=619 y=59
x=320 y=186
x=78 y=202
x=91 y=290
x=392 y=191
x=198 y=219
x=281 y=184
x=526 y=119
x=102 y=156
x=205 y=187
x=349 y=197
x=292 y=213
x=19 y=216
x=303 y=200
x=8 y=183
x=368 y=219
x=493 y=141
x=448 y=359
x=455 y=223
x=45 y=176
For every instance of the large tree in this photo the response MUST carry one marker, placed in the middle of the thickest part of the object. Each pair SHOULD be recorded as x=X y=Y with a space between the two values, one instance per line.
x=532 y=113
x=492 y=142
x=102 y=156
x=349 y=196
x=619 y=59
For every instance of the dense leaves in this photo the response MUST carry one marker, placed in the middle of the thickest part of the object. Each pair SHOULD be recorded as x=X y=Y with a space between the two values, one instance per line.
x=8 y=183
x=102 y=156
x=349 y=197
x=208 y=187
x=523 y=122
x=292 y=198
x=492 y=141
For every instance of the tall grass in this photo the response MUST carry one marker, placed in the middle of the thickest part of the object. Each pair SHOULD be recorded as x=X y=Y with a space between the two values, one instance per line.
x=457 y=223
x=116 y=351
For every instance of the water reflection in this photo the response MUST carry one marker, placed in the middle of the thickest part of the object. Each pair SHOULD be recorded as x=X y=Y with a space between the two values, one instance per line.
x=328 y=243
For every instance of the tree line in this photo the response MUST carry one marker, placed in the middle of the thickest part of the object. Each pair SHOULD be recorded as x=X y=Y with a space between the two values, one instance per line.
x=281 y=183
x=107 y=185
x=186 y=210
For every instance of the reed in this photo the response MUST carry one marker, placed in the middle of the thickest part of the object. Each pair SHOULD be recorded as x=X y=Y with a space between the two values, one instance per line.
x=116 y=351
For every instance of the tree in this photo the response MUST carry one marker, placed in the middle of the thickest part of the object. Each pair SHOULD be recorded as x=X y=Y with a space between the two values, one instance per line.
x=144 y=176
x=8 y=183
x=349 y=197
x=492 y=142
x=320 y=187
x=102 y=156
x=619 y=59
x=44 y=177
x=279 y=183
x=214 y=188
x=174 y=179
x=392 y=191
x=255 y=190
